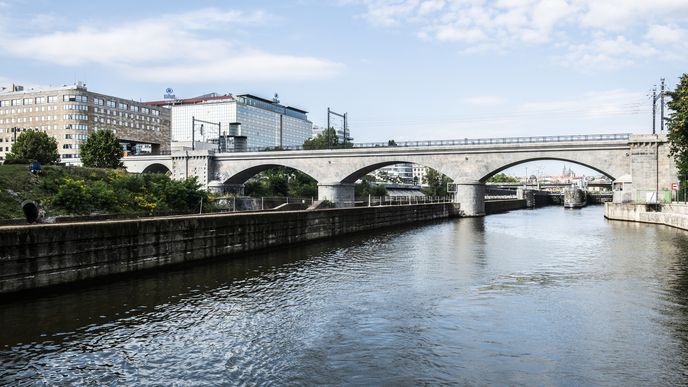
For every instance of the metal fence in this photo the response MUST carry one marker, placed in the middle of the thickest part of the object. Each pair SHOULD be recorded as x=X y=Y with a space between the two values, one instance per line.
x=377 y=201
x=247 y=204
x=500 y=197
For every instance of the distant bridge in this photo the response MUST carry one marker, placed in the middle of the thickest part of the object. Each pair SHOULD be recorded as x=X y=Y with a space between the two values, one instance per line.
x=470 y=163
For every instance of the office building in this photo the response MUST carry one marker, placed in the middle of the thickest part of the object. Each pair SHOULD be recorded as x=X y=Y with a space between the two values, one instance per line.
x=71 y=113
x=264 y=123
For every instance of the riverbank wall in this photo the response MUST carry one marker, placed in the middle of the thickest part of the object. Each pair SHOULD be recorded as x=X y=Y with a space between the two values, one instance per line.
x=674 y=214
x=497 y=206
x=37 y=256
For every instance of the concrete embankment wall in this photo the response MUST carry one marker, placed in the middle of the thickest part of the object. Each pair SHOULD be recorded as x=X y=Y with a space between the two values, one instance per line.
x=674 y=215
x=497 y=206
x=43 y=255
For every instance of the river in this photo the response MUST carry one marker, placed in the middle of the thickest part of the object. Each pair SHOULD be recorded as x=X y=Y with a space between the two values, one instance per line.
x=546 y=296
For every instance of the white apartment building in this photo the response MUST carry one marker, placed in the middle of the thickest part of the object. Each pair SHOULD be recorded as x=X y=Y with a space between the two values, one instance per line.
x=419 y=172
x=265 y=123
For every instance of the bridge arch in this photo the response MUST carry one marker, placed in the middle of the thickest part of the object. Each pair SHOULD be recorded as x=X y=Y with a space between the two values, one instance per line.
x=527 y=160
x=157 y=168
x=364 y=169
x=242 y=176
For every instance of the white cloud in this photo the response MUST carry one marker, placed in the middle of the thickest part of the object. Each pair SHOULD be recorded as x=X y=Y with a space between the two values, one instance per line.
x=666 y=34
x=588 y=29
x=389 y=13
x=170 y=47
x=255 y=66
x=484 y=100
x=606 y=53
x=617 y=15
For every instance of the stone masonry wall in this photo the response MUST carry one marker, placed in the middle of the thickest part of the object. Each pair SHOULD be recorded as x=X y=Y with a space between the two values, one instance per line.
x=497 y=206
x=674 y=215
x=44 y=255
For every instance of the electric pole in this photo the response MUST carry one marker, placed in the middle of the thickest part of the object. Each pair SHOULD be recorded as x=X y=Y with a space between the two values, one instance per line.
x=345 y=128
x=661 y=108
x=654 y=108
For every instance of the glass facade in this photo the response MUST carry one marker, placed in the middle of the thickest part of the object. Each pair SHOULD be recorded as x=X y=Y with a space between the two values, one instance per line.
x=264 y=124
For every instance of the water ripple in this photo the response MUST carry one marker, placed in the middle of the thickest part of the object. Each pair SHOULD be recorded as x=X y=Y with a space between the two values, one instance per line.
x=509 y=299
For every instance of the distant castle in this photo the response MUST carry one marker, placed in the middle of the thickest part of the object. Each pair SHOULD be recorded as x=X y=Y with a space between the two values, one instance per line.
x=567 y=172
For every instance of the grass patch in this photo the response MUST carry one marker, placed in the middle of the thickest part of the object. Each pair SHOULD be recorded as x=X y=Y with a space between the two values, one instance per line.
x=63 y=190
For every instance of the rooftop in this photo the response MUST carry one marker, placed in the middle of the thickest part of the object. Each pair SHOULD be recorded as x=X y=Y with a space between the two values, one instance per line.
x=190 y=101
x=215 y=97
x=19 y=89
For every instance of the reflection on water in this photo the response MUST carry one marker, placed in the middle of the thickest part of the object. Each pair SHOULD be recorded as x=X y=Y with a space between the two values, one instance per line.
x=529 y=297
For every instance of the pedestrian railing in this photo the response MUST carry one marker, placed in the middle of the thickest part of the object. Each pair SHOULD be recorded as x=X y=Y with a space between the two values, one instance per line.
x=500 y=197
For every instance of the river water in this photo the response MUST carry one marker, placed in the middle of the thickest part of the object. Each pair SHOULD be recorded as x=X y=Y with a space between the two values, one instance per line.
x=547 y=296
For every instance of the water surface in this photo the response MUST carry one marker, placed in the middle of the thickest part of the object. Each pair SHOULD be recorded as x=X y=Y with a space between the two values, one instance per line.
x=547 y=296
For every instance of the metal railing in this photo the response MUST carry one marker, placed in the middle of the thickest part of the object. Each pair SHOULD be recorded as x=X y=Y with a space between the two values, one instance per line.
x=435 y=143
x=162 y=153
x=377 y=201
x=465 y=141
x=500 y=197
x=249 y=204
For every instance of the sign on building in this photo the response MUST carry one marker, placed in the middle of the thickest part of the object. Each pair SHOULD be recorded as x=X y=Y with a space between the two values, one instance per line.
x=168 y=94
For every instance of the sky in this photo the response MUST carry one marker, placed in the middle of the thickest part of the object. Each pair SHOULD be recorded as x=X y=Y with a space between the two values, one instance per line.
x=401 y=69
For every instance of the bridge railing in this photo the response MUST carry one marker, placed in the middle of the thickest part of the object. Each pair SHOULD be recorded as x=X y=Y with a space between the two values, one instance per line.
x=465 y=141
x=498 y=141
x=433 y=143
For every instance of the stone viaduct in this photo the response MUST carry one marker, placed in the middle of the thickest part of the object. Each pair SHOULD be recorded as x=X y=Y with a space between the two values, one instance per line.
x=641 y=161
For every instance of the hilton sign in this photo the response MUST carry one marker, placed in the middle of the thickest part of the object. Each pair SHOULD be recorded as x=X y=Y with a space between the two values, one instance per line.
x=168 y=94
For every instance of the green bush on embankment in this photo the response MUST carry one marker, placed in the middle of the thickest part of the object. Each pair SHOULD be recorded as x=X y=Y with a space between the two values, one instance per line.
x=62 y=190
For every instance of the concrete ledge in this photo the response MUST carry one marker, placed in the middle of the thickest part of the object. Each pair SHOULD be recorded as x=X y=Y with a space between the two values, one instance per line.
x=36 y=256
x=673 y=215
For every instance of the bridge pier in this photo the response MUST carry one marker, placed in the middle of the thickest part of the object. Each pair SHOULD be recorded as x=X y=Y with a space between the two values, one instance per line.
x=342 y=195
x=526 y=194
x=470 y=194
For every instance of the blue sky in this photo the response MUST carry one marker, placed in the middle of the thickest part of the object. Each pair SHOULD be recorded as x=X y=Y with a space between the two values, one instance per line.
x=403 y=70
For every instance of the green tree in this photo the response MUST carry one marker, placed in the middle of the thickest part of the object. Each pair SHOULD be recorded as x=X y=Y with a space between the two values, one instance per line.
x=503 y=178
x=281 y=181
x=327 y=139
x=437 y=183
x=33 y=145
x=102 y=150
x=365 y=188
x=678 y=126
